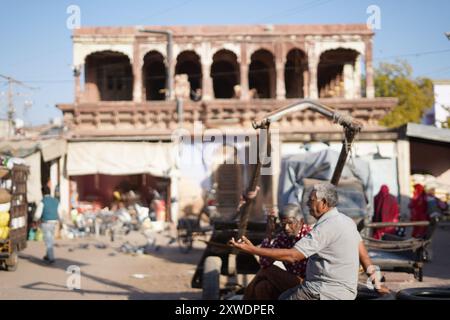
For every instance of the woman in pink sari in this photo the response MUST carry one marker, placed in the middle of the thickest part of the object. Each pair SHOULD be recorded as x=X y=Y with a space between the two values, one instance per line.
x=418 y=207
x=386 y=210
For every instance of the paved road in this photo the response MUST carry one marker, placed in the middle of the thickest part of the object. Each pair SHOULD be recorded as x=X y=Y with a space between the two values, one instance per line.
x=108 y=274
x=105 y=273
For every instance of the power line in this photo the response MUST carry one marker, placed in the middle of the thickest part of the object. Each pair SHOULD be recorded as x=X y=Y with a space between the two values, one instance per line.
x=177 y=6
x=293 y=10
x=10 y=98
x=416 y=54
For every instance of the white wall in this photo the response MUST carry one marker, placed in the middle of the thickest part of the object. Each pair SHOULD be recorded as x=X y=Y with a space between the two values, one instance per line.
x=442 y=100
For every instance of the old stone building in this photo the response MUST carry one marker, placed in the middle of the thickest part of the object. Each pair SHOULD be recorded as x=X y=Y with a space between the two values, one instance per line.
x=126 y=91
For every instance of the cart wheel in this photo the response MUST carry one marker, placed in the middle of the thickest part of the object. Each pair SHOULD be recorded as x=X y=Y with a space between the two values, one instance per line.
x=211 y=278
x=12 y=262
x=430 y=293
x=185 y=240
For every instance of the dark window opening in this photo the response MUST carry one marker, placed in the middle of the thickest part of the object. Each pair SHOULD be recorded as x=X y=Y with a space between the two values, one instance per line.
x=155 y=76
x=225 y=74
x=262 y=75
x=109 y=75
x=188 y=62
x=330 y=79
x=294 y=71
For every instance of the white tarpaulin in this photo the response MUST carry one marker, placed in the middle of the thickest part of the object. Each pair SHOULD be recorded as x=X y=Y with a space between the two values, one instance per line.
x=34 y=178
x=53 y=149
x=120 y=158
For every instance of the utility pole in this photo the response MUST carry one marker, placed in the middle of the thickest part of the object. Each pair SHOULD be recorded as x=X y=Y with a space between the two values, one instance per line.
x=11 y=111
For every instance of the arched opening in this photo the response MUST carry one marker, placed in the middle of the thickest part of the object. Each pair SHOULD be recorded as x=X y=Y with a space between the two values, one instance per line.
x=108 y=76
x=294 y=71
x=188 y=62
x=262 y=75
x=155 y=76
x=335 y=74
x=225 y=74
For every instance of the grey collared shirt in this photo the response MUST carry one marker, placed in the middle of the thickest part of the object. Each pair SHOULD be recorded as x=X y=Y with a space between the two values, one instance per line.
x=333 y=264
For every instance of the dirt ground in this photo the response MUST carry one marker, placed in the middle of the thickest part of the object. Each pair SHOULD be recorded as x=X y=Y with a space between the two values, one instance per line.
x=107 y=273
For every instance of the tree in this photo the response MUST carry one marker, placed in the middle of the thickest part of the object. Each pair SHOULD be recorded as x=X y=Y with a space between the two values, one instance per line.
x=446 y=124
x=414 y=95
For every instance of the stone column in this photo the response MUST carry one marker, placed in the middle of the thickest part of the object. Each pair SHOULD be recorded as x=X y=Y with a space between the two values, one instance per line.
x=370 y=88
x=244 y=72
x=313 y=63
x=280 y=84
x=137 y=73
x=171 y=75
x=349 y=84
x=279 y=71
x=207 y=86
x=357 y=78
x=76 y=74
x=306 y=83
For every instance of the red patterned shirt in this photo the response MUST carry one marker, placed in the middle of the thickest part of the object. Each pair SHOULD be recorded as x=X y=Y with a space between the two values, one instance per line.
x=283 y=241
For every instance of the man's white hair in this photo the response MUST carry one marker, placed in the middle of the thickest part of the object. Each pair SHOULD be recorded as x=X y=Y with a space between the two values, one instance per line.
x=326 y=191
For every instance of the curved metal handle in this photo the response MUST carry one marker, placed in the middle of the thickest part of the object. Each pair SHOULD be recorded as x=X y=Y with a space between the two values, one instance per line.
x=344 y=120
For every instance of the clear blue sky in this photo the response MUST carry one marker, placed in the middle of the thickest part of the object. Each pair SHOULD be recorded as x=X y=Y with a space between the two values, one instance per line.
x=36 y=46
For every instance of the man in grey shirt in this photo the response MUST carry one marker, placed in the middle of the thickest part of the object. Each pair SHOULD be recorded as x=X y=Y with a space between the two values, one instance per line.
x=334 y=248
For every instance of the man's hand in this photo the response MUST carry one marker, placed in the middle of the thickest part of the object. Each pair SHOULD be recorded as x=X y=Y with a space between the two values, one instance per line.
x=252 y=194
x=383 y=290
x=373 y=272
x=243 y=243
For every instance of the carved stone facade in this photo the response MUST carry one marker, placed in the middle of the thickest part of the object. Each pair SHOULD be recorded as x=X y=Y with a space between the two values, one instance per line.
x=235 y=74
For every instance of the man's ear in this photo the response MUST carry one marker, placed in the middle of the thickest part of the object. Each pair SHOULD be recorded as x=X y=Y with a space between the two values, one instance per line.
x=324 y=203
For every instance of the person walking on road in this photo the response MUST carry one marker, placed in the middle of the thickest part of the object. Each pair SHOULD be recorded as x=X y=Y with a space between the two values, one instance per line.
x=49 y=213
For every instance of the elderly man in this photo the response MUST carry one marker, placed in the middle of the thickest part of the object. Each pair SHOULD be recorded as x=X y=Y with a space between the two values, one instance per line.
x=271 y=280
x=334 y=250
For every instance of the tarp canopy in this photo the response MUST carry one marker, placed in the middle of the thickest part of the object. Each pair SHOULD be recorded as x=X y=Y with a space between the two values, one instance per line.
x=300 y=172
x=120 y=158
x=34 y=178
x=426 y=132
x=51 y=148
x=31 y=151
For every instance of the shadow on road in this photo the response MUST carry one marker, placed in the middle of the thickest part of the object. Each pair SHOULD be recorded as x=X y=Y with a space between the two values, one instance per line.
x=132 y=293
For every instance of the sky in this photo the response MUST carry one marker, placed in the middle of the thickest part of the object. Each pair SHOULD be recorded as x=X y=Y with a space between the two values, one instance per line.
x=36 y=47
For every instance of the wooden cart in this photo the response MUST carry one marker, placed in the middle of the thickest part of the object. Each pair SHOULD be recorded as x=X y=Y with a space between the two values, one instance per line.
x=221 y=259
x=17 y=238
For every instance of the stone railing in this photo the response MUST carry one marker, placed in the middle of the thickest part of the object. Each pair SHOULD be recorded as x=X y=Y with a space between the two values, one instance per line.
x=160 y=118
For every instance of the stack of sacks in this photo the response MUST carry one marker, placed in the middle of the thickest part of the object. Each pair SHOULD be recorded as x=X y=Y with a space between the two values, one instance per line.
x=4 y=224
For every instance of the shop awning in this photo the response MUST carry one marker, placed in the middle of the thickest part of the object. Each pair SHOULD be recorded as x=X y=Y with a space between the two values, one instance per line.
x=120 y=158
x=30 y=151
x=51 y=148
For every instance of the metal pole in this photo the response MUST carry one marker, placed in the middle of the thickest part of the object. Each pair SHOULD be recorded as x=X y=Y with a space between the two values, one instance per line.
x=169 y=83
x=180 y=111
x=169 y=80
x=244 y=211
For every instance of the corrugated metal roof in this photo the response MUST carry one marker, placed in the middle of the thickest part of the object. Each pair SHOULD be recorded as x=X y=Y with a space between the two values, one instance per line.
x=421 y=131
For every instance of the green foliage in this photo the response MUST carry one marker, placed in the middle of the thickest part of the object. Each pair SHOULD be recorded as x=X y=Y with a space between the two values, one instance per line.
x=415 y=95
x=446 y=124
